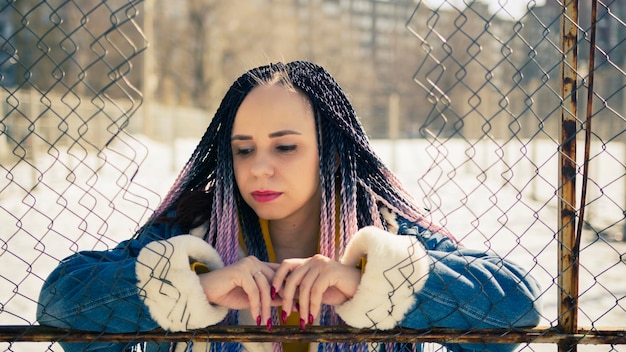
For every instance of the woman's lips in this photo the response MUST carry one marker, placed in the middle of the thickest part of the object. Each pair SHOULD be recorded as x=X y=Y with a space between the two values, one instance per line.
x=265 y=196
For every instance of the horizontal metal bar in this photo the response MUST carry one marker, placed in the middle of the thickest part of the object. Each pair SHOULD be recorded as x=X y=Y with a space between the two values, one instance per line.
x=36 y=333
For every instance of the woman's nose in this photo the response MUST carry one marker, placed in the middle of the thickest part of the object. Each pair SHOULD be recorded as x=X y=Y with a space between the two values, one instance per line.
x=262 y=166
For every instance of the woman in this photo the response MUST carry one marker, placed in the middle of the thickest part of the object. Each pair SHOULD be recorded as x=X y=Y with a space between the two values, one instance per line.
x=285 y=215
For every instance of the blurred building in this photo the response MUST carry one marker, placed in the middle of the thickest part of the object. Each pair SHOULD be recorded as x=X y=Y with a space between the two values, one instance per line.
x=7 y=51
x=543 y=28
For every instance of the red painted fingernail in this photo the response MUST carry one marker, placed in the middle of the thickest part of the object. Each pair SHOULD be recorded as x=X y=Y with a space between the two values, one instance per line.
x=273 y=292
x=269 y=324
x=258 y=320
x=311 y=319
x=283 y=317
x=302 y=324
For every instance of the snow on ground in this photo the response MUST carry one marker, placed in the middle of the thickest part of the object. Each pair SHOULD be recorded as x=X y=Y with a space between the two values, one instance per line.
x=497 y=198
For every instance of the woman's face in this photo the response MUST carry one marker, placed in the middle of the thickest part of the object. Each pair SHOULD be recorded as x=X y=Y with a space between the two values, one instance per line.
x=275 y=156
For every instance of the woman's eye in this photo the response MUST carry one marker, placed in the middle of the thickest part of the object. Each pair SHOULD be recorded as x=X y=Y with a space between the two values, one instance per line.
x=243 y=151
x=287 y=148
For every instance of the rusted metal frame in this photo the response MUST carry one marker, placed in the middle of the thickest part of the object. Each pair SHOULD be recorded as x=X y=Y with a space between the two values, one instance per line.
x=588 y=115
x=220 y=333
x=568 y=265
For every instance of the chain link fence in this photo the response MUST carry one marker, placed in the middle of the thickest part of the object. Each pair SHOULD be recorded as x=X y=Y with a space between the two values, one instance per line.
x=515 y=119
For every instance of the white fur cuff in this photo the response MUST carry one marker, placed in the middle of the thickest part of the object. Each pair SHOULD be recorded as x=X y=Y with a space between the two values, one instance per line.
x=397 y=267
x=169 y=287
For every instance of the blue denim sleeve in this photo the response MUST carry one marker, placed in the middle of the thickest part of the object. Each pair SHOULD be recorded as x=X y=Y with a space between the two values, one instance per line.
x=97 y=291
x=472 y=289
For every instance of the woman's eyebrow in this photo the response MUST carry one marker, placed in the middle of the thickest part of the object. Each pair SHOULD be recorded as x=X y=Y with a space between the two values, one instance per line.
x=283 y=133
x=241 y=137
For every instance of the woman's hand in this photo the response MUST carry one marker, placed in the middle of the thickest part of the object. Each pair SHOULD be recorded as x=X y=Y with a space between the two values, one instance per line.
x=314 y=281
x=243 y=285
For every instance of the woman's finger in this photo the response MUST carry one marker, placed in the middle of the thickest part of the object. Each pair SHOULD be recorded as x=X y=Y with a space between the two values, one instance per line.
x=255 y=277
x=285 y=283
x=309 y=279
x=263 y=299
x=316 y=294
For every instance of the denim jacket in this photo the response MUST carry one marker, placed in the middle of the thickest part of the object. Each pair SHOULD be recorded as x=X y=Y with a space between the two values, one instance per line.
x=413 y=278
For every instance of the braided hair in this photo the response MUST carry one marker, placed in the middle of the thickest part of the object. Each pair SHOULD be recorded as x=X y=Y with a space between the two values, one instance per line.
x=349 y=170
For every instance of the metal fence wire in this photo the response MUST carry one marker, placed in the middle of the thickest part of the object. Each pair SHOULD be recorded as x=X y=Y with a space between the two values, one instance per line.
x=515 y=118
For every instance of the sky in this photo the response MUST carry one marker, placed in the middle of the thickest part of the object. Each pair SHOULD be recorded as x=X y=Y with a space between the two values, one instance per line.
x=516 y=8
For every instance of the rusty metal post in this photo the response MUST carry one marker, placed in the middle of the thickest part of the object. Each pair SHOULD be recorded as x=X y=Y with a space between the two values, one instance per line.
x=568 y=260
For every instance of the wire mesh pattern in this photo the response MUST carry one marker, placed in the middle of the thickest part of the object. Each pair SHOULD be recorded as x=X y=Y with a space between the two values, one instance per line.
x=86 y=151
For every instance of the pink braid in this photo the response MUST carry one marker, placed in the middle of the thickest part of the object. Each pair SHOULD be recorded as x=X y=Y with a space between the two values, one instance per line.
x=327 y=222
x=228 y=230
x=349 y=224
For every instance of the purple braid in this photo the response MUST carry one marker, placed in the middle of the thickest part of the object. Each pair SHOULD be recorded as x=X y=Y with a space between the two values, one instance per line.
x=349 y=224
x=225 y=217
x=328 y=212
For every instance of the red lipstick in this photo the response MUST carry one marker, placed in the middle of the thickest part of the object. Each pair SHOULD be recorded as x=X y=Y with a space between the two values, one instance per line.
x=265 y=196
